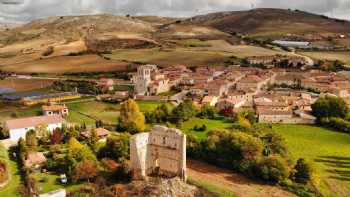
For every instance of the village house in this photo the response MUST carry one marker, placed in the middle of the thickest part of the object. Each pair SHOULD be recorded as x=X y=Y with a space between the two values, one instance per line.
x=149 y=81
x=18 y=128
x=54 y=110
x=101 y=133
x=34 y=160
x=106 y=84
x=226 y=103
x=210 y=100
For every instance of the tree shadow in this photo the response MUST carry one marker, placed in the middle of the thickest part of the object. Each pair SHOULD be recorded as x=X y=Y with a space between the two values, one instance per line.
x=338 y=167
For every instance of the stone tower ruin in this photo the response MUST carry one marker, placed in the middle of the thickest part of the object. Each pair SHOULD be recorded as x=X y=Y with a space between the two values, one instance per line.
x=161 y=152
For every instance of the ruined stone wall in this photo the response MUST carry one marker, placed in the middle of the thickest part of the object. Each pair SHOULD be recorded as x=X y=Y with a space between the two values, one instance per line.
x=165 y=153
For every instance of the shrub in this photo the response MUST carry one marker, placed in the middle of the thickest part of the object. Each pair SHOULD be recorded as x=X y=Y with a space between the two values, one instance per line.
x=303 y=171
x=273 y=169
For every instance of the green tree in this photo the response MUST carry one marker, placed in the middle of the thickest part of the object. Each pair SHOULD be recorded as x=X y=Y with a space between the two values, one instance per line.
x=31 y=139
x=273 y=169
x=330 y=106
x=117 y=147
x=77 y=153
x=208 y=112
x=131 y=118
x=303 y=171
x=184 y=111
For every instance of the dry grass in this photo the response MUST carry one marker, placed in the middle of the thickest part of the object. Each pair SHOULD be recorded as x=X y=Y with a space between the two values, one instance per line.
x=231 y=182
x=25 y=84
x=329 y=55
x=63 y=64
x=241 y=51
x=171 y=56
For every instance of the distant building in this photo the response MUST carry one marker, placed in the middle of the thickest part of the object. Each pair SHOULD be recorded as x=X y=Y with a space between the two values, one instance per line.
x=54 y=110
x=18 y=128
x=106 y=84
x=149 y=81
x=294 y=44
x=47 y=98
x=101 y=133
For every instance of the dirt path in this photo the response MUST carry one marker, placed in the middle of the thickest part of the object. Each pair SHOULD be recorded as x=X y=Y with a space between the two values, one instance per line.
x=233 y=182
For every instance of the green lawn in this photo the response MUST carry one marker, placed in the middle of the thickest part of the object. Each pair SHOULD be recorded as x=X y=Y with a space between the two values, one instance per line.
x=329 y=150
x=86 y=112
x=11 y=189
x=48 y=182
x=211 y=188
x=187 y=126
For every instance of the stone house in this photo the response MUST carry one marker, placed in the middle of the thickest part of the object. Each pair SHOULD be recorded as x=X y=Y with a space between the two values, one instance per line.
x=54 y=110
x=161 y=152
x=34 y=160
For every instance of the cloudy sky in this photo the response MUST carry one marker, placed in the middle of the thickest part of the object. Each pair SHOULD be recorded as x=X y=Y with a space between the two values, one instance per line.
x=26 y=10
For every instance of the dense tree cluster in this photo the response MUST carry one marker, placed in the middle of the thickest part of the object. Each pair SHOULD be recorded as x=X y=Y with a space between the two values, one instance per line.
x=332 y=112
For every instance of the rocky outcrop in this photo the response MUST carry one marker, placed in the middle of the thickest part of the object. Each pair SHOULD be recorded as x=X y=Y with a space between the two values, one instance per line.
x=160 y=188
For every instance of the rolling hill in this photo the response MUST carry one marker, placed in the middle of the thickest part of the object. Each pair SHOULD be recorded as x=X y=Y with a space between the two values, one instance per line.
x=203 y=40
x=271 y=22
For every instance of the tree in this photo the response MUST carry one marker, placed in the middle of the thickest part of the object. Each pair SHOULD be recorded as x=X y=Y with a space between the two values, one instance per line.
x=29 y=188
x=273 y=169
x=4 y=133
x=117 y=147
x=85 y=170
x=131 y=118
x=208 y=112
x=57 y=136
x=31 y=139
x=77 y=153
x=330 y=106
x=184 y=111
x=303 y=171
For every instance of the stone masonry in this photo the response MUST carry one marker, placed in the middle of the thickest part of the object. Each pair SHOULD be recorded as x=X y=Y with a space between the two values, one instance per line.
x=161 y=152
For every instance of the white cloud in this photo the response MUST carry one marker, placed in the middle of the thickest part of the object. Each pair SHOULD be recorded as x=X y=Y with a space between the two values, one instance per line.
x=32 y=9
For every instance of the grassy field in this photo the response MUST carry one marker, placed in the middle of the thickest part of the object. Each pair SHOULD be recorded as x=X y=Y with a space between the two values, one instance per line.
x=188 y=126
x=220 y=192
x=48 y=182
x=88 y=112
x=163 y=57
x=329 y=55
x=10 y=190
x=329 y=150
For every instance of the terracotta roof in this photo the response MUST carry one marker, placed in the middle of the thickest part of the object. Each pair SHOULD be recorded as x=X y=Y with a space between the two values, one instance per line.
x=53 y=107
x=32 y=121
x=274 y=113
x=34 y=158
x=101 y=132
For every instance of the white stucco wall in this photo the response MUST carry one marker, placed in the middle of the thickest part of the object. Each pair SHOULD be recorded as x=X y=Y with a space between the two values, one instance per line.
x=16 y=134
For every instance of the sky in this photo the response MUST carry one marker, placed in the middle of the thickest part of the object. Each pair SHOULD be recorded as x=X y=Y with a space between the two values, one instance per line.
x=13 y=11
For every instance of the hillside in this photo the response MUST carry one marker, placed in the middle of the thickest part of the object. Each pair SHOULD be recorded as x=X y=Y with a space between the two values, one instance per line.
x=271 y=22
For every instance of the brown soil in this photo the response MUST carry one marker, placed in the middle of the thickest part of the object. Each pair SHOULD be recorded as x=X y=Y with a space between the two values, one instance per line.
x=64 y=64
x=233 y=182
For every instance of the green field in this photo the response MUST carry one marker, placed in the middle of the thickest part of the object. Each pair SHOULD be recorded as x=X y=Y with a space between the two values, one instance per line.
x=88 y=112
x=188 y=126
x=48 y=182
x=220 y=192
x=329 y=150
